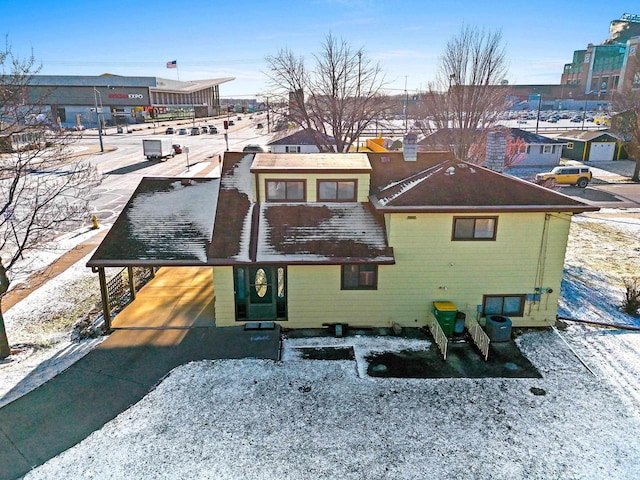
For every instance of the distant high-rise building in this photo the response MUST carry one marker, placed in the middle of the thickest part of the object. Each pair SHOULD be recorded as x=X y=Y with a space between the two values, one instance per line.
x=602 y=69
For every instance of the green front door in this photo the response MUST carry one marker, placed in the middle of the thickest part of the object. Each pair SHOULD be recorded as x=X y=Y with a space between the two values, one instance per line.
x=260 y=293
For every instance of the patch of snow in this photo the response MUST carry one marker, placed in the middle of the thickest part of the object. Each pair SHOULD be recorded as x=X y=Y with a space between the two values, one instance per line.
x=260 y=419
x=176 y=204
x=298 y=418
x=408 y=185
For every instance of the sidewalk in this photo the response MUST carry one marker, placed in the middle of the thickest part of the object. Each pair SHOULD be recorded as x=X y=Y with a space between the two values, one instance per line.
x=35 y=281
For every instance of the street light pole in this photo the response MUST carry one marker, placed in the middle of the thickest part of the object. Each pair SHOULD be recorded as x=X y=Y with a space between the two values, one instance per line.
x=539 y=105
x=95 y=99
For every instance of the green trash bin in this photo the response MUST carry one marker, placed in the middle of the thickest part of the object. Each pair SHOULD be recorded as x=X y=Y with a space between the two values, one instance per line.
x=445 y=313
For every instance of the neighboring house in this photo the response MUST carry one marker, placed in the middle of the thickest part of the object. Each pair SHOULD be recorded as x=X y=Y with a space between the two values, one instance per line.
x=533 y=150
x=524 y=149
x=592 y=146
x=298 y=142
x=368 y=240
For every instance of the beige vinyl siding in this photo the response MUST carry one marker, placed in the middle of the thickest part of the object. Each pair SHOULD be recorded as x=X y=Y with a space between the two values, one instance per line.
x=224 y=296
x=429 y=267
x=362 y=195
x=464 y=271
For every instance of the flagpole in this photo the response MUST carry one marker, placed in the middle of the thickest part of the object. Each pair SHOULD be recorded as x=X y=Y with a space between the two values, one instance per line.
x=178 y=71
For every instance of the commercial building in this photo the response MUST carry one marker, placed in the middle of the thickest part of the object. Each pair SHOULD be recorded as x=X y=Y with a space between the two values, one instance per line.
x=600 y=70
x=73 y=101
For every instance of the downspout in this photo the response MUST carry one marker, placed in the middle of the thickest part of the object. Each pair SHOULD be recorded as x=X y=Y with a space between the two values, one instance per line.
x=542 y=258
x=584 y=150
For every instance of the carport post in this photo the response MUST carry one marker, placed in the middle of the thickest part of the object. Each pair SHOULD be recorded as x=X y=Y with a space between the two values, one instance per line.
x=132 y=286
x=106 y=308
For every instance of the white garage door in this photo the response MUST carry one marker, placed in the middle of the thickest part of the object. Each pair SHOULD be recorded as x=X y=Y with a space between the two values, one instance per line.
x=602 y=151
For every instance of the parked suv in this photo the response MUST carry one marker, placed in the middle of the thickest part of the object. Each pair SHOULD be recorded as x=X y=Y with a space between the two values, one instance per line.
x=195 y=131
x=579 y=176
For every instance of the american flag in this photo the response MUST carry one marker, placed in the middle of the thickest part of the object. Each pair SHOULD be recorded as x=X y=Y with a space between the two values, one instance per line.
x=172 y=64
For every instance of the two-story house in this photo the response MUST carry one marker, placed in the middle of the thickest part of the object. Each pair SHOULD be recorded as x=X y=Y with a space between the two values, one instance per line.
x=360 y=239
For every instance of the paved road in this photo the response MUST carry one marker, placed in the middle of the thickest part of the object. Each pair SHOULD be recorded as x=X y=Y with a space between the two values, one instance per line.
x=123 y=164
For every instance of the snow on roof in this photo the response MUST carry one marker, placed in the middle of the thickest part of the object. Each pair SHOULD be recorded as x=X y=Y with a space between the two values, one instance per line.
x=166 y=220
x=317 y=232
x=408 y=184
x=240 y=178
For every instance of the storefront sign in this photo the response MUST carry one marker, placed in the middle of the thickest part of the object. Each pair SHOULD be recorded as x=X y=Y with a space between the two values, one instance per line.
x=128 y=96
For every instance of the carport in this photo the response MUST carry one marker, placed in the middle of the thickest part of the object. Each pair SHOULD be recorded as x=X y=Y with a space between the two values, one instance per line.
x=177 y=297
x=165 y=229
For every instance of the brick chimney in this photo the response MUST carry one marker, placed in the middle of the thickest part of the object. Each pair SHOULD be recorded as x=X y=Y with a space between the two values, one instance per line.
x=496 y=151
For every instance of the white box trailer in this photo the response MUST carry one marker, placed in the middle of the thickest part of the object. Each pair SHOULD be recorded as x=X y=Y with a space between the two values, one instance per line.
x=158 y=148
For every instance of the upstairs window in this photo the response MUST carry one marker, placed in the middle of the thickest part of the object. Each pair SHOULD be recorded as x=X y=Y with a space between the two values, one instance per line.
x=474 y=228
x=292 y=149
x=337 y=190
x=286 y=190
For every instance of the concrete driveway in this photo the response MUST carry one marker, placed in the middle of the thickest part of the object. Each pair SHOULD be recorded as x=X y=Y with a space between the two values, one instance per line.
x=169 y=324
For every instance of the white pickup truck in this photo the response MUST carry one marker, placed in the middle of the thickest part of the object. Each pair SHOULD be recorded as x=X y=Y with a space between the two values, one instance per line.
x=158 y=148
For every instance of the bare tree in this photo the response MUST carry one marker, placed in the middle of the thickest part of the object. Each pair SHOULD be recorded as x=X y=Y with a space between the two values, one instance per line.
x=467 y=93
x=43 y=189
x=627 y=122
x=339 y=99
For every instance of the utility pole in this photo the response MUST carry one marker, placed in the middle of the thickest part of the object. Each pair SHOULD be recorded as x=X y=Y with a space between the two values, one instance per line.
x=539 y=105
x=358 y=99
x=406 y=102
x=268 y=122
x=95 y=99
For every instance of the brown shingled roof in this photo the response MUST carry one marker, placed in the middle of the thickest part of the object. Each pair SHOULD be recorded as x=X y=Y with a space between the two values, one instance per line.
x=167 y=221
x=345 y=232
x=452 y=185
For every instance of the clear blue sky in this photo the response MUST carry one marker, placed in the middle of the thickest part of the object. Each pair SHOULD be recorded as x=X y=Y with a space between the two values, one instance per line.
x=221 y=38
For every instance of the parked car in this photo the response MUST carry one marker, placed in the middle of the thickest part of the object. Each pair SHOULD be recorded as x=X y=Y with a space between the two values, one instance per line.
x=204 y=129
x=183 y=131
x=230 y=123
x=177 y=148
x=213 y=129
x=552 y=119
x=576 y=119
x=253 y=147
x=570 y=175
x=259 y=125
x=195 y=131
x=239 y=117
x=170 y=131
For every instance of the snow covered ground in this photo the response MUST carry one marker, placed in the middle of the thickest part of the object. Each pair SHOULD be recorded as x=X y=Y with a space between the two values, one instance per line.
x=327 y=419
